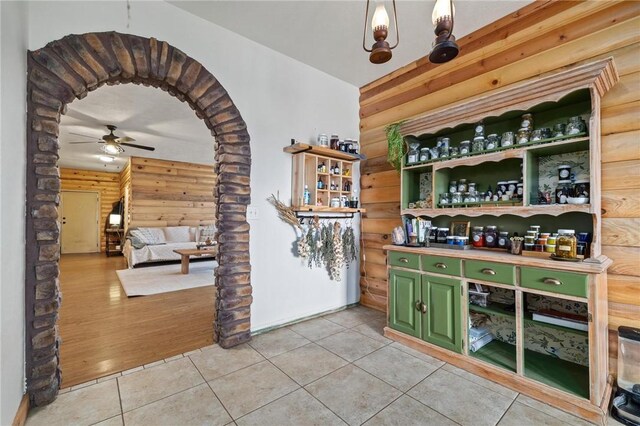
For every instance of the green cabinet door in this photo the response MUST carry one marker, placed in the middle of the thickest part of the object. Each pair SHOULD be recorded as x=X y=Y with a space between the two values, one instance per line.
x=404 y=293
x=441 y=324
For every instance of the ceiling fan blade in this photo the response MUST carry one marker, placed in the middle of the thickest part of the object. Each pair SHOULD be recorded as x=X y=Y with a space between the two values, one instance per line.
x=126 y=139
x=132 y=145
x=83 y=142
x=84 y=136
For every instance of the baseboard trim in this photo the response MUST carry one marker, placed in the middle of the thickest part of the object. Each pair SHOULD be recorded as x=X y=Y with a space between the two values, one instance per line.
x=23 y=410
x=292 y=322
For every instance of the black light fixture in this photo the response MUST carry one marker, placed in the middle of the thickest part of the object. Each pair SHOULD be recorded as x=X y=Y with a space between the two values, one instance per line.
x=380 y=51
x=445 y=47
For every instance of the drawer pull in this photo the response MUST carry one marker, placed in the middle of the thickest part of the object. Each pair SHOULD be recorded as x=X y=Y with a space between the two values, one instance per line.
x=423 y=307
x=441 y=265
x=419 y=305
x=552 y=281
x=403 y=260
x=488 y=271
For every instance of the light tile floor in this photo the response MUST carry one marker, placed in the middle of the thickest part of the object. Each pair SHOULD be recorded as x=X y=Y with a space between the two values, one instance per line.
x=335 y=369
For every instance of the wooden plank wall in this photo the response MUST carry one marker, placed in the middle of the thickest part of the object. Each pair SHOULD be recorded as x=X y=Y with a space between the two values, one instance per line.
x=539 y=38
x=170 y=193
x=108 y=184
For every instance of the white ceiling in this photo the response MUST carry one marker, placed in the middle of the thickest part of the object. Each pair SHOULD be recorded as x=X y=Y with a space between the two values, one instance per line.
x=149 y=115
x=327 y=34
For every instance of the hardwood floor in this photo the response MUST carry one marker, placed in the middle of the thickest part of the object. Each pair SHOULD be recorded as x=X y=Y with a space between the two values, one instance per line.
x=103 y=331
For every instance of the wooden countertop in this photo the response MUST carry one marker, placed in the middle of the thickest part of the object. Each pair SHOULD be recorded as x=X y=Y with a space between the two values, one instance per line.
x=593 y=266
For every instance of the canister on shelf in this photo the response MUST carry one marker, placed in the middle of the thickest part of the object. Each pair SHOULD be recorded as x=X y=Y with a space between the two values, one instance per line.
x=491 y=142
x=528 y=246
x=503 y=239
x=478 y=144
x=502 y=188
x=519 y=190
x=477 y=236
x=576 y=125
x=333 y=141
x=538 y=247
x=453 y=186
x=564 y=172
x=507 y=139
x=527 y=121
x=491 y=236
x=443 y=233
x=433 y=234
x=551 y=240
x=323 y=140
x=465 y=147
x=424 y=154
x=479 y=129
x=558 y=130
x=523 y=136
x=444 y=199
x=414 y=154
x=546 y=133
x=562 y=191
x=462 y=185
x=453 y=151
x=512 y=185
x=566 y=244
x=451 y=240
x=472 y=188
x=550 y=248
x=456 y=197
x=536 y=135
x=582 y=188
x=462 y=241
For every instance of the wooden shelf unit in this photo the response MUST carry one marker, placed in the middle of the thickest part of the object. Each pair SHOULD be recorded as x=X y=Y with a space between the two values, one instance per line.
x=114 y=242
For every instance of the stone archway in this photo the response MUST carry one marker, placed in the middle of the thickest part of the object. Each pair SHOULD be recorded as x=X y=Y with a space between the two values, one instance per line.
x=68 y=69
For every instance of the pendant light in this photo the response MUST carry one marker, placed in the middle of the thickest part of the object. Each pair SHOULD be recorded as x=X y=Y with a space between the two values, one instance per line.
x=380 y=51
x=445 y=47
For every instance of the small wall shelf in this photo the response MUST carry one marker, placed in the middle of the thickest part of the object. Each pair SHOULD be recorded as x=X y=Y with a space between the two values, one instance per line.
x=298 y=148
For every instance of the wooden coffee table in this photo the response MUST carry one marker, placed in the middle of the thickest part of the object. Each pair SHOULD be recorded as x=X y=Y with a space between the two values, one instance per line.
x=187 y=253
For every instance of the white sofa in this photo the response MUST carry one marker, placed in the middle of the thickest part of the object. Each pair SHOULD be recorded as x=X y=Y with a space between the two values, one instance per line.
x=161 y=242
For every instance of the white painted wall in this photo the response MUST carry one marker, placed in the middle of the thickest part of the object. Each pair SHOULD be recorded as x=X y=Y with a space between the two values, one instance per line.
x=13 y=36
x=278 y=97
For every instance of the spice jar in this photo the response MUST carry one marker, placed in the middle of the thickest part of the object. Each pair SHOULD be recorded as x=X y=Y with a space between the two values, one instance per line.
x=558 y=130
x=507 y=139
x=465 y=147
x=581 y=188
x=444 y=199
x=523 y=136
x=527 y=121
x=491 y=236
x=512 y=185
x=519 y=190
x=462 y=241
x=445 y=143
x=451 y=240
x=502 y=188
x=424 y=154
x=433 y=235
x=462 y=185
x=478 y=144
x=453 y=186
x=435 y=152
x=477 y=236
x=456 y=198
x=562 y=191
x=576 y=125
x=564 y=172
x=536 y=135
x=566 y=244
x=472 y=188
x=503 y=240
x=479 y=129
x=546 y=133
x=333 y=142
x=413 y=155
x=453 y=151
x=492 y=142
x=443 y=233
x=323 y=140
x=550 y=248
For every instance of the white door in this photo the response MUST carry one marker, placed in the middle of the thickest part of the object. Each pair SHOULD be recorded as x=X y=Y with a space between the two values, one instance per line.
x=79 y=212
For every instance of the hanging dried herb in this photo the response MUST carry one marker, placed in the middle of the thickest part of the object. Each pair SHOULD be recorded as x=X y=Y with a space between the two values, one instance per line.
x=335 y=267
x=311 y=243
x=327 y=253
x=349 y=247
x=395 y=144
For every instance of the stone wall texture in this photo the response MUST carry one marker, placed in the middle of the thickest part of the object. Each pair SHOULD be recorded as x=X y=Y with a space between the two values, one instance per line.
x=69 y=69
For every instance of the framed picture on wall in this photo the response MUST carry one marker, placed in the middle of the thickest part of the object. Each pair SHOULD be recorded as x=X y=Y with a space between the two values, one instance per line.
x=460 y=229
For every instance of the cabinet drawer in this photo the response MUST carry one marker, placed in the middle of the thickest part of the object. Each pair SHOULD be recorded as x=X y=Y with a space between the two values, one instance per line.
x=487 y=271
x=441 y=265
x=404 y=260
x=568 y=283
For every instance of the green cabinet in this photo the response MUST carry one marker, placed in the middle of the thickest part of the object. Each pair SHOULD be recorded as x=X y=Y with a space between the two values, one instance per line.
x=427 y=307
x=441 y=324
x=404 y=301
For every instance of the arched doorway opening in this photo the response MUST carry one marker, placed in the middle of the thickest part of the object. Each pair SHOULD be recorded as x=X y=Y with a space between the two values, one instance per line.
x=69 y=69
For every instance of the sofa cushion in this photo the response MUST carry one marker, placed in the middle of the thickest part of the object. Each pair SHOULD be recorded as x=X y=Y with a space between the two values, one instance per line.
x=205 y=232
x=150 y=235
x=176 y=234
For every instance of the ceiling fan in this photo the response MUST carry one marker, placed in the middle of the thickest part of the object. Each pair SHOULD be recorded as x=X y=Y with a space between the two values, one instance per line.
x=112 y=143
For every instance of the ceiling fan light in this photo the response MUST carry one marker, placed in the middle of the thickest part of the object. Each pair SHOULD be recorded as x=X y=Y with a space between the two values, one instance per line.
x=112 y=148
x=107 y=158
x=380 y=18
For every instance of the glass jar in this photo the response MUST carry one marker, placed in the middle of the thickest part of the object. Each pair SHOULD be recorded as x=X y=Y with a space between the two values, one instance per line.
x=558 y=130
x=433 y=235
x=451 y=240
x=453 y=186
x=536 y=135
x=566 y=244
x=491 y=236
x=479 y=129
x=466 y=198
x=356 y=146
x=444 y=199
x=333 y=142
x=562 y=191
x=512 y=185
x=472 y=188
x=564 y=172
x=546 y=133
x=576 y=125
x=477 y=236
x=478 y=144
x=507 y=139
x=462 y=185
x=492 y=142
x=413 y=155
x=445 y=143
x=501 y=188
x=456 y=198
x=465 y=147
x=503 y=240
x=323 y=140
x=443 y=233
x=453 y=151
x=424 y=154
x=527 y=121
x=435 y=152
x=581 y=188
x=523 y=136
x=462 y=241
x=519 y=190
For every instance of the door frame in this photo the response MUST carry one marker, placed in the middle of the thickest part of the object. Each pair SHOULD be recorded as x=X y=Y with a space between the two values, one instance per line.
x=98 y=213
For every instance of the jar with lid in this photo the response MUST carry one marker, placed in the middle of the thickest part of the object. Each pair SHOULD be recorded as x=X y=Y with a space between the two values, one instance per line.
x=581 y=189
x=424 y=154
x=519 y=190
x=356 y=146
x=477 y=236
x=491 y=236
x=323 y=140
x=466 y=198
x=576 y=125
x=507 y=139
x=536 y=135
x=445 y=143
x=527 y=121
x=333 y=142
x=349 y=144
x=564 y=172
x=479 y=130
x=444 y=199
x=562 y=191
x=465 y=147
x=443 y=233
x=558 y=130
x=462 y=185
x=523 y=136
x=462 y=241
x=546 y=133
x=478 y=144
x=512 y=185
x=456 y=197
x=566 y=244
x=451 y=240
x=435 y=152
x=503 y=240
x=413 y=155
x=502 y=188
x=472 y=188
x=492 y=142
x=453 y=151
x=433 y=234
x=453 y=186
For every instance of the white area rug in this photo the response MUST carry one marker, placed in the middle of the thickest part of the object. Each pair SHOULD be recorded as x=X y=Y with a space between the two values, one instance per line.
x=165 y=278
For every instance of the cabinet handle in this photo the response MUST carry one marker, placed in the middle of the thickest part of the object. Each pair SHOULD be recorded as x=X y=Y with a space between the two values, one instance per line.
x=403 y=260
x=552 y=281
x=441 y=265
x=419 y=305
x=423 y=307
x=488 y=271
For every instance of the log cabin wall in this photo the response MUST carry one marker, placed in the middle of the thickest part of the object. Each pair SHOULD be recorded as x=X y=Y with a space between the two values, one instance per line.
x=107 y=184
x=541 y=37
x=169 y=193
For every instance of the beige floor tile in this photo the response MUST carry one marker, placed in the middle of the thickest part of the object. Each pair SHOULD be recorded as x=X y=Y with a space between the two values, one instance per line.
x=373 y=314
x=250 y=388
x=297 y=408
x=146 y=386
x=277 y=342
x=353 y=394
x=109 y=377
x=154 y=364
x=523 y=415
x=552 y=411
x=349 y=317
x=132 y=370
x=460 y=399
x=395 y=367
x=502 y=390
x=308 y=363
x=317 y=328
x=113 y=421
x=406 y=411
x=86 y=406
x=84 y=385
x=215 y=361
x=418 y=354
x=350 y=345
x=373 y=330
x=195 y=406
